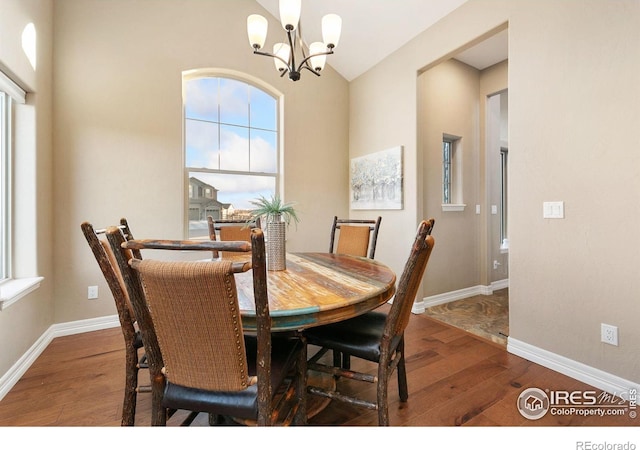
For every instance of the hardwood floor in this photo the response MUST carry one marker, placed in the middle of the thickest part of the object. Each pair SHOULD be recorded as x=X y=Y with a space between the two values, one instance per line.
x=455 y=379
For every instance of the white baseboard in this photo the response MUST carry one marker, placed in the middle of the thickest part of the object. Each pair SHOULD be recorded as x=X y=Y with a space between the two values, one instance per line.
x=500 y=284
x=576 y=370
x=9 y=379
x=439 y=299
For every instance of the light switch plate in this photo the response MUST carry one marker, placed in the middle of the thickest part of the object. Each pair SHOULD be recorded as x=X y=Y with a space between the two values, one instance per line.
x=92 y=292
x=553 y=210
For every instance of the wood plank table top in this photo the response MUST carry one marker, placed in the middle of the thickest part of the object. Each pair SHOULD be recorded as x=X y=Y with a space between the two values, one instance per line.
x=318 y=288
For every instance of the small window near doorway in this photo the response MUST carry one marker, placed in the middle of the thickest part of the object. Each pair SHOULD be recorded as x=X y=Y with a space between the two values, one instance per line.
x=504 y=237
x=451 y=174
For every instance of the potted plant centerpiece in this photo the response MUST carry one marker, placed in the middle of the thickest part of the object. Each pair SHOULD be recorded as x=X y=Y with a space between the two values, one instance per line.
x=277 y=215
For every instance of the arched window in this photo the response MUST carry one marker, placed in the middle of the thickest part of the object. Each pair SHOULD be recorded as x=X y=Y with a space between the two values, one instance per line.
x=230 y=147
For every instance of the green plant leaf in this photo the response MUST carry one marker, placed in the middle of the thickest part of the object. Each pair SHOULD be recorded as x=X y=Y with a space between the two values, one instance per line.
x=270 y=208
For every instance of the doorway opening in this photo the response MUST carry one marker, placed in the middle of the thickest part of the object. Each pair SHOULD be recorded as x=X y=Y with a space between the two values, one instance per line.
x=468 y=96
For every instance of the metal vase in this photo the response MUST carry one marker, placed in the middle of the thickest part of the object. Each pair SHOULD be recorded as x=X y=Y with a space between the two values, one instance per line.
x=276 y=248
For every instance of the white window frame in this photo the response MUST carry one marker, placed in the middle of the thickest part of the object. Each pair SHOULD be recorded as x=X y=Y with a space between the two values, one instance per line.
x=241 y=77
x=11 y=289
x=452 y=173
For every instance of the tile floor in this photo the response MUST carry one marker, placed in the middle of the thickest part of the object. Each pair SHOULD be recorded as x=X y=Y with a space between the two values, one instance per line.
x=486 y=316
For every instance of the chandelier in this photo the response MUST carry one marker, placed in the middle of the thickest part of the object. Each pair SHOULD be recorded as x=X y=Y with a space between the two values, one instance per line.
x=284 y=54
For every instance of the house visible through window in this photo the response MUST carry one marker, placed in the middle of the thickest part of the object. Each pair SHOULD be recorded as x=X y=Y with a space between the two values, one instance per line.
x=231 y=148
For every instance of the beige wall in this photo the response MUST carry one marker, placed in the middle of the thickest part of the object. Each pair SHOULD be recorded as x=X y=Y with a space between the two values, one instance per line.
x=574 y=103
x=22 y=323
x=448 y=102
x=118 y=134
x=117 y=139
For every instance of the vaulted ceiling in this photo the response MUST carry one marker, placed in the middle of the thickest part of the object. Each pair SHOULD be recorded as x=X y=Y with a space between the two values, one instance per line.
x=373 y=29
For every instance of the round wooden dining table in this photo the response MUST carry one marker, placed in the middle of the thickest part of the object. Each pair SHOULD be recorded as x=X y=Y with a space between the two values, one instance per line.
x=316 y=289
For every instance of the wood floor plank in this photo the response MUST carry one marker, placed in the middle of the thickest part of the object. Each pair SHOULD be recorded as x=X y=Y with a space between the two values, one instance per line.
x=454 y=380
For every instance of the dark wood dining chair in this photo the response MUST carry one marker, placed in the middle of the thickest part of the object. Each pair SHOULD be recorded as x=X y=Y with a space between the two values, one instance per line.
x=221 y=371
x=355 y=236
x=116 y=237
x=135 y=358
x=376 y=336
x=230 y=230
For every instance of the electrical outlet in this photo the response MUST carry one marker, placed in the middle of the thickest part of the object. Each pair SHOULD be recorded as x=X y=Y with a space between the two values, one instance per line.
x=92 y=292
x=609 y=334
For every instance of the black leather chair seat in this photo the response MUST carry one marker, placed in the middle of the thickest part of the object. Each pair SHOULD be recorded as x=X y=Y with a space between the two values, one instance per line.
x=359 y=336
x=241 y=404
x=137 y=340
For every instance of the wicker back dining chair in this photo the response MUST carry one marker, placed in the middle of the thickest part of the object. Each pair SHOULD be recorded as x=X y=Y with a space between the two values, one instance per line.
x=134 y=356
x=221 y=371
x=116 y=238
x=376 y=336
x=355 y=236
x=230 y=230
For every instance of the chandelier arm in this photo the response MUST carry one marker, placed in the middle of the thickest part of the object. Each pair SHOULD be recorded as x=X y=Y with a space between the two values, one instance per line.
x=305 y=64
x=301 y=41
x=292 y=42
x=256 y=52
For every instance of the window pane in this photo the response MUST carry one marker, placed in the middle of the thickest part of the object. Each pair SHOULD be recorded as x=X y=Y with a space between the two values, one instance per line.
x=239 y=157
x=446 y=171
x=5 y=110
x=263 y=110
x=504 y=236
x=201 y=100
x=231 y=197
x=264 y=157
x=234 y=148
x=201 y=142
x=234 y=102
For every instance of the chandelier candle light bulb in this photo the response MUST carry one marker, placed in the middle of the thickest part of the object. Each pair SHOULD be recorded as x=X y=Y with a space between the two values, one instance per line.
x=257 y=30
x=284 y=54
x=281 y=52
x=290 y=13
x=331 y=28
x=318 y=58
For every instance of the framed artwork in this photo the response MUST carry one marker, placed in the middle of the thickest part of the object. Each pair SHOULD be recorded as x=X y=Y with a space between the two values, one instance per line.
x=375 y=180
